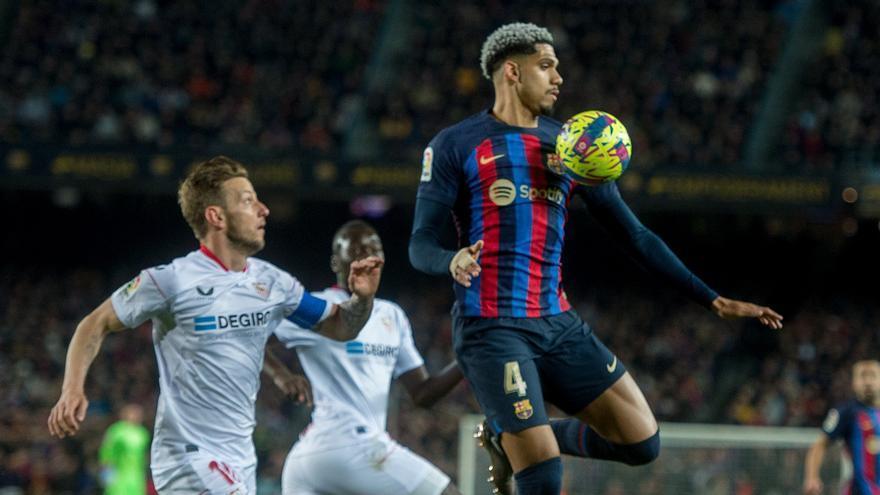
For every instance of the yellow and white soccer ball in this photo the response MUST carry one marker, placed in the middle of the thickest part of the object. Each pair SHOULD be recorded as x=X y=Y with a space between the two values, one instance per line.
x=594 y=147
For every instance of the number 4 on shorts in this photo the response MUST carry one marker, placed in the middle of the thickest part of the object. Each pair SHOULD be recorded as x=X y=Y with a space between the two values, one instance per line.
x=513 y=381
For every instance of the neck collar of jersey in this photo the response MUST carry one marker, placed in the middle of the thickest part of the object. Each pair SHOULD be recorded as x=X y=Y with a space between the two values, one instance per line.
x=497 y=120
x=213 y=257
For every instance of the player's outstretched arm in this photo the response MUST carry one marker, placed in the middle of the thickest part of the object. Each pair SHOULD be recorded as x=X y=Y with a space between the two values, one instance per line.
x=292 y=384
x=426 y=389
x=70 y=411
x=812 y=482
x=731 y=309
x=347 y=319
x=645 y=246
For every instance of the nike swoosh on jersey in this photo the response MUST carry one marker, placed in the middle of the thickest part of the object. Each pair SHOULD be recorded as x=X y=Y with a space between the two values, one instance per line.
x=613 y=366
x=485 y=160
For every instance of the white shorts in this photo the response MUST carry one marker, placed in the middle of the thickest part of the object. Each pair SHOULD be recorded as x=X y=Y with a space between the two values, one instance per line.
x=206 y=474
x=365 y=466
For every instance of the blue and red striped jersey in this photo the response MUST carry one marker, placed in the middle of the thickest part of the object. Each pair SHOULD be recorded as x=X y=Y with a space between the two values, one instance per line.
x=858 y=426
x=504 y=186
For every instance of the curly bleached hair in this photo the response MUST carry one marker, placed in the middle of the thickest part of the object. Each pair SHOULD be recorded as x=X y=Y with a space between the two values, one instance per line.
x=517 y=38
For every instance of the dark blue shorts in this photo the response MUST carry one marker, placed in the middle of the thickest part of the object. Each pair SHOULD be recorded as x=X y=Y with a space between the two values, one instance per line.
x=515 y=364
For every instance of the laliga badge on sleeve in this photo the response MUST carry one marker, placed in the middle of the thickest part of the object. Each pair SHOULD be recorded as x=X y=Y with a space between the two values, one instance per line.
x=831 y=421
x=427 y=162
x=131 y=287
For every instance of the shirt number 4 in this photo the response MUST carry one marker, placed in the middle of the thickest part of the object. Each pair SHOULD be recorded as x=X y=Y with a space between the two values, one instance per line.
x=513 y=381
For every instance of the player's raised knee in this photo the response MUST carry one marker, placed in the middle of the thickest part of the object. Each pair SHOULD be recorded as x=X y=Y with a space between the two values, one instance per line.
x=644 y=452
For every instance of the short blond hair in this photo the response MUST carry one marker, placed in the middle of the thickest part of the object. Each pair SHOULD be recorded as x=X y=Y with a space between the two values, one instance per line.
x=203 y=187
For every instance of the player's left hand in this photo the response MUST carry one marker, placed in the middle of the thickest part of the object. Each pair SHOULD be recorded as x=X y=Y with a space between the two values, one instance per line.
x=730 y=309
x=364 y=275
x=296 y=386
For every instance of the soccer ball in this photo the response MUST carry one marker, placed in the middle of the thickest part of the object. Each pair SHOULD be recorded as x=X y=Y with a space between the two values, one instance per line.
x=594 y=147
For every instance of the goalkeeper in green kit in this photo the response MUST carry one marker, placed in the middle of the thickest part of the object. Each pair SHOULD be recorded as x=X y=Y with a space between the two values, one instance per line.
x=123 y=454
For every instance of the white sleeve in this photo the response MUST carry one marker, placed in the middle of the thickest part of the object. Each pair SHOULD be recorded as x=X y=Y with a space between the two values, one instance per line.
x=293 y=336
x=140 y=299
x=408 y=358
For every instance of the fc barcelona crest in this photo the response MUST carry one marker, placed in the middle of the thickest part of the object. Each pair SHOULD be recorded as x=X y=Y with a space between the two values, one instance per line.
x=523 y=409
x=554 y=163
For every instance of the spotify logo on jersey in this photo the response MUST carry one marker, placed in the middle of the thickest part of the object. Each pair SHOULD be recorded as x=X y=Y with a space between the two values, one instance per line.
x=502 y=192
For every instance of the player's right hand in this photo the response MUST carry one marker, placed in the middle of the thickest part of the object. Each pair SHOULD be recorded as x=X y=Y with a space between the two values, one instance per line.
x=464 y=266
x=364 y=276
x=68 y=413
x=813 y=486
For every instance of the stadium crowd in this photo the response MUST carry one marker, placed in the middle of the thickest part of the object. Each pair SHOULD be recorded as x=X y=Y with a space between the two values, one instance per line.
x=685 y=77
x=836 y=122
x=675 y=352
x=234 y=74
x=277 y=74
x=810 y=371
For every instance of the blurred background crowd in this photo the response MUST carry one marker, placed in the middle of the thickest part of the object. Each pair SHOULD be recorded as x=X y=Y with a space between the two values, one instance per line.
x=691 y=365
x=688 y=77
x=693 y=80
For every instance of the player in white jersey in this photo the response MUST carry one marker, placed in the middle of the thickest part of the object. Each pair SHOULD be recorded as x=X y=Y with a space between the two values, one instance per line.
x=212 y=312
x=345 y=449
